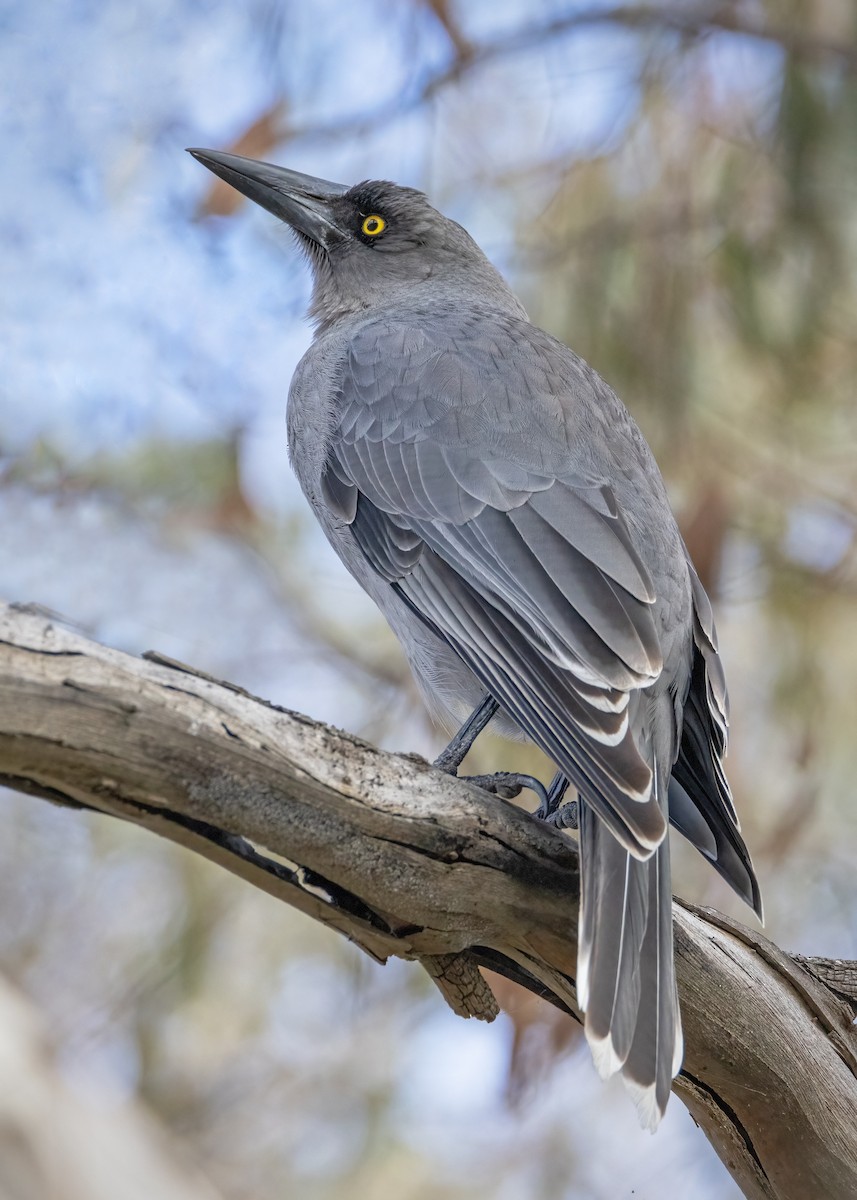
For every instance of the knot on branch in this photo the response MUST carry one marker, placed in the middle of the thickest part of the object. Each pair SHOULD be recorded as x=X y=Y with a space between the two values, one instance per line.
x=462 y=985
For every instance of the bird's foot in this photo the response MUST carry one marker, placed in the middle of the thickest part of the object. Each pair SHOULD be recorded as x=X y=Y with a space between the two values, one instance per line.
x=564 y=817
x=508 y=784
x=552 y=810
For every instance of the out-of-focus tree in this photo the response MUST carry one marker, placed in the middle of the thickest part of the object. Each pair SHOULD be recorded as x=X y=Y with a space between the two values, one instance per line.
x=673 y=190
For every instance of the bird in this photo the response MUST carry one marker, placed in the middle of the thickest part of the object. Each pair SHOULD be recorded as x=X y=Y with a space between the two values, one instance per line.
x=494 y=497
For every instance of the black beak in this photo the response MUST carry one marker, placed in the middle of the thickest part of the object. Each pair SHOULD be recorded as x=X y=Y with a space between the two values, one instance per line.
x=302 y=201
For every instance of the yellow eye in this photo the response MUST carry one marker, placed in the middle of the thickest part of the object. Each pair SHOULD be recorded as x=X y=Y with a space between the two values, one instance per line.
x=373 y=225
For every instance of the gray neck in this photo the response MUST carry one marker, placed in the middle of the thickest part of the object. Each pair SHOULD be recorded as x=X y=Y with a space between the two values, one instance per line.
x=477 y=286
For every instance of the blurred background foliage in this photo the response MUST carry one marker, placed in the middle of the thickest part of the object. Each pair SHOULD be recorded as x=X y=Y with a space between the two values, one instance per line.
x=673 y=190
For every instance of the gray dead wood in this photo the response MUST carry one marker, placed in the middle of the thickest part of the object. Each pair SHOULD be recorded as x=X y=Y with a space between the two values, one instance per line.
x=405 y=861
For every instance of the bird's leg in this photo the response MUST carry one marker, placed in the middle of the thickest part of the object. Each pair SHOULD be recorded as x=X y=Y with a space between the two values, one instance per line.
x=450 y=759
x=507 y=784
x=564 y=817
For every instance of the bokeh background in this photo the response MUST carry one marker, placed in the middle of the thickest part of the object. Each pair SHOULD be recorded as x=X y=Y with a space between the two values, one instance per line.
x=673 y=190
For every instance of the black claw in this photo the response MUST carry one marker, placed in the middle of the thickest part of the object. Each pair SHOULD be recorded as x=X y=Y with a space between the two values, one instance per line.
x=561 y=816
x=508 y=784
x=553 y=799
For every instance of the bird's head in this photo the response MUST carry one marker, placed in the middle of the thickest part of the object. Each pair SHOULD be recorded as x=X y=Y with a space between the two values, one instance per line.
x=368 y=245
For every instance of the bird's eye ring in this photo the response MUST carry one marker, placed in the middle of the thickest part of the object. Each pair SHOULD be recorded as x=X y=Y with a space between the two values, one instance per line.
x=373 y=225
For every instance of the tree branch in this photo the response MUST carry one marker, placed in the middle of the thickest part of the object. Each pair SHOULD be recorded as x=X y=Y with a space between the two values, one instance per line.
x=407 y=862
x=683 y=20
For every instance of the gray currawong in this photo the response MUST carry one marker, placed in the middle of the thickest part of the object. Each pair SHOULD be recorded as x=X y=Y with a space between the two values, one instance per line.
x=494 y=497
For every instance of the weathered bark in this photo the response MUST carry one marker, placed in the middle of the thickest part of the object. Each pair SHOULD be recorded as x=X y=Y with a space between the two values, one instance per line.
x=405 y=861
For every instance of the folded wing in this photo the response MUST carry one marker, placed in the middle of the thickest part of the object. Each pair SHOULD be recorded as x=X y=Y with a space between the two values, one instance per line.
x=505 y=548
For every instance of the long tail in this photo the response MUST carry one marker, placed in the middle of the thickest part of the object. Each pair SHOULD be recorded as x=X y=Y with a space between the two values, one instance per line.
x=626 y=973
